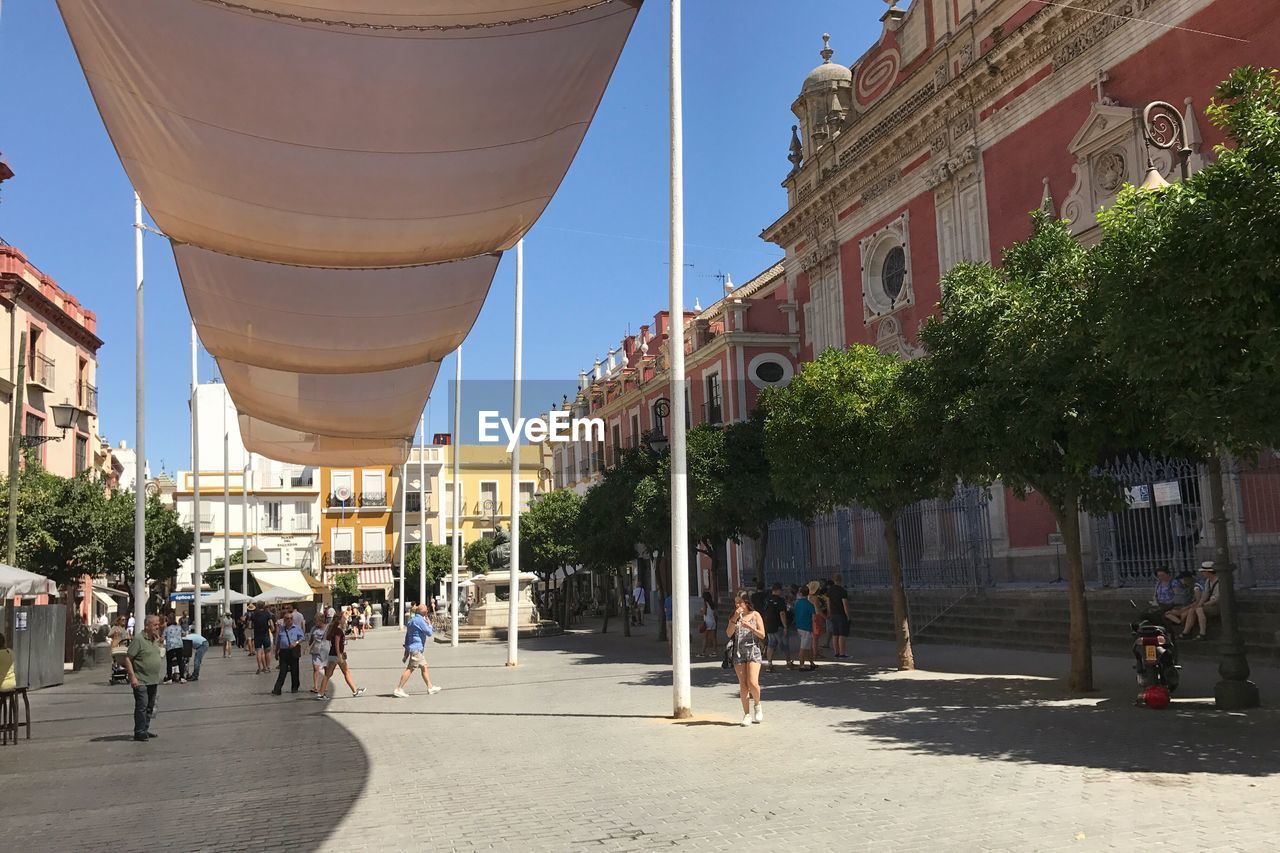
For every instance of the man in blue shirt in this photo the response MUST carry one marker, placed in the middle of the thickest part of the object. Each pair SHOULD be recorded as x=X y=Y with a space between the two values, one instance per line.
x=804 y=610
x=416 y=633
x=199 y=645
x=289 y=651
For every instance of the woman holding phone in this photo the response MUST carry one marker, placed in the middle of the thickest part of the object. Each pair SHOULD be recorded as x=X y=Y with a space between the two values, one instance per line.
x=337 y=638
x=746 y=630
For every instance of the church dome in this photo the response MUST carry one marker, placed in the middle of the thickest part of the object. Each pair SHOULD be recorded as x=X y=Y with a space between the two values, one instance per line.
x=828 y=71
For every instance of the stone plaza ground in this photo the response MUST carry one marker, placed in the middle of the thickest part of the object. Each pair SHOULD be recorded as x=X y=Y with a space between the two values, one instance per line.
x=572 y=750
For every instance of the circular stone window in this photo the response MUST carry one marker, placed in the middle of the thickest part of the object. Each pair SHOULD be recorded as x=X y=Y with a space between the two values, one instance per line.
x=769 y=370
x=893 y=273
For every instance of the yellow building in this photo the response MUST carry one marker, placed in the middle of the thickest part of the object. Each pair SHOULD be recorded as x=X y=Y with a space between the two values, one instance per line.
x=356 y=530
x=485 y=474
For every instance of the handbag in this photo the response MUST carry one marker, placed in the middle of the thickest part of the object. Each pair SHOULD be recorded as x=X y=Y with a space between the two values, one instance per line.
x=727 y=663
x=702 y=629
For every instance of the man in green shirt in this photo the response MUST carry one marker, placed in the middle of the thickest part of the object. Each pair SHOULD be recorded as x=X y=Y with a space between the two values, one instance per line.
x=145 y=663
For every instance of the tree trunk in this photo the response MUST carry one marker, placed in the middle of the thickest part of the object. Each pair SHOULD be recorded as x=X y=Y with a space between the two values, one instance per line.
x=604 y=627
x=626 y=608
x=664 y=584
x=901 y=627
x=1079 y=637
x=1235 y=691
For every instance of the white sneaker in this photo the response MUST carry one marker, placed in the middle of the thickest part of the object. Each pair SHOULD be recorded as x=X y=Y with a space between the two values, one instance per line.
x=322 y=696
x=357 y=692
x=746 y=719
x=433 y=689
x=759 y=714
x=399 y=694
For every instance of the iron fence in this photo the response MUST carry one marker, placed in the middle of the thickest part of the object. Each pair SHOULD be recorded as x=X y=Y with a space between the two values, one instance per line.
x=1166 y=520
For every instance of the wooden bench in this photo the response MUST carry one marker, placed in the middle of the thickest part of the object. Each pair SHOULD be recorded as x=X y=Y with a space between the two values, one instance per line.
x=10 y=721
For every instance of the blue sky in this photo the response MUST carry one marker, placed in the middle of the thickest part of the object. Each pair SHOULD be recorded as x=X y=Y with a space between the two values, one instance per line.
x=595 y=264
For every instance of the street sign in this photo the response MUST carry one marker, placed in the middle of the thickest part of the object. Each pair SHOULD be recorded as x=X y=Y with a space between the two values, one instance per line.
x=1056 y=540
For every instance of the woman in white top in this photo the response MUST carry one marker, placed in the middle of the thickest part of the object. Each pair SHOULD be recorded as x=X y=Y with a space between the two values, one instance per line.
x=708 y=625
x=228 y=634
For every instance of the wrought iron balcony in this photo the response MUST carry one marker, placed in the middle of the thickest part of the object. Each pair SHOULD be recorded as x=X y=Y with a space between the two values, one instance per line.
x=367 y=557
x=41 y=371
x=373 y=499
x=89 y=397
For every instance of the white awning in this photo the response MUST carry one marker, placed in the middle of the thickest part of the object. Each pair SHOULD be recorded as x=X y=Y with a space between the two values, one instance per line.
x=289 y=579
x=317 y=162
x=106 y=601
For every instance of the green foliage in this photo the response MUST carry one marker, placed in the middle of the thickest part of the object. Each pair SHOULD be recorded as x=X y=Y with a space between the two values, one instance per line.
x=611 y=521
x=346 y=584
x=1191 y=279
x=848 y=429
x=439 y=563
x=548 y=533
x=168 y=543
x=1030 y=396
x=476 y=555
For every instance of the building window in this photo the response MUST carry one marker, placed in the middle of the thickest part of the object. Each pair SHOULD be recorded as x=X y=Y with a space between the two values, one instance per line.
x=489 y=504
x=893 y=273
x=82 y=453
x=635 y=430
x=413 y=501
x=34 y=425
x=448 y=499
x=33 y=350
x=526 y=495
x=617 y=442
x=714 y=413
x=271 y=515
x=770 y=369
x=301 y=515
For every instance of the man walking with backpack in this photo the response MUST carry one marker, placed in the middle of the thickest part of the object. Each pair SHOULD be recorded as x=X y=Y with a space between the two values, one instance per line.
x=415 y=640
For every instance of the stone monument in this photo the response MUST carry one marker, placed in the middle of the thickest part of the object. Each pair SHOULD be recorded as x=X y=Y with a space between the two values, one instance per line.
x=488 y=617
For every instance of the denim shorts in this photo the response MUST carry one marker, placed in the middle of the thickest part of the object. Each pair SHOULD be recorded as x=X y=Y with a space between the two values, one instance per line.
x=778 y=641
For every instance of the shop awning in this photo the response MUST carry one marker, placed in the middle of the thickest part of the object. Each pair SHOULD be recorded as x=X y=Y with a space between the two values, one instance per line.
x=366 y=578
x=291 y=579
x=105 y=600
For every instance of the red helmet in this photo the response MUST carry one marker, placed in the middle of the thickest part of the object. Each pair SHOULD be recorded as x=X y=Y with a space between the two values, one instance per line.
x=1156 y=696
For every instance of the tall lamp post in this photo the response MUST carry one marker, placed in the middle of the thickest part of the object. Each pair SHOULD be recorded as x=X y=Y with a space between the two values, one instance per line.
x=1163 y=127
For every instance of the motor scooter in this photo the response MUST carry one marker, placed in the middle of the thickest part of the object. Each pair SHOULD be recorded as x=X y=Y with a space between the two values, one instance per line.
x=1156 y=660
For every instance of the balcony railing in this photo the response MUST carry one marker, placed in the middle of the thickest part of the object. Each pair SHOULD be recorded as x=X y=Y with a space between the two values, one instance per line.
x=206 y=524
x=373 y=499
x=332 y=501
x=584 y=468
x=42 y=371
x=366 y=500
x=367 y=557
x=89 y=397
x=712 y=413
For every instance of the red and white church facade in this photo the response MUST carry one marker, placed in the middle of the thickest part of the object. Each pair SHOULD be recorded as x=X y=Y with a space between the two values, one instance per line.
x=931 y=148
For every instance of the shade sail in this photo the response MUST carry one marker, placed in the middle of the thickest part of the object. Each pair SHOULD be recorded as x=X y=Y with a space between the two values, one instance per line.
x=328 y=144
x=354 y=405
x=291 y=580
x=308 y=448
x=315 y=320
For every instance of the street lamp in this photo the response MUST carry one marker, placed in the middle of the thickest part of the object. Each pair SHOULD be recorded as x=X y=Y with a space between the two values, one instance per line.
x=1163 y=128
x=656 y=440
x=65 y=417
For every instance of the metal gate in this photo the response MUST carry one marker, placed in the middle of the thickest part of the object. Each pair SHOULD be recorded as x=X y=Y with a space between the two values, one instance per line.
x=945 y=545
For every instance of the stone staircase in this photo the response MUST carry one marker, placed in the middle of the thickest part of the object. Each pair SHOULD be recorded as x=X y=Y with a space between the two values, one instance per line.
x=1037 y=619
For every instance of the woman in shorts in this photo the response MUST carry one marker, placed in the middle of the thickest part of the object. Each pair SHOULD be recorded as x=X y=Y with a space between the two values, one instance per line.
x=337 y=659
x=746 y=630
x=319 y=652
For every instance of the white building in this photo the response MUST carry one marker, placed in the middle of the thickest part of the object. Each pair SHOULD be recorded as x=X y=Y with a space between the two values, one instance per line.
x=128 y=459
x=270 y=505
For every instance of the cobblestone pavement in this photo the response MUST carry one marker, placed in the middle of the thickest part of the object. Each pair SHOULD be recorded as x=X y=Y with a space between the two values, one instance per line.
x=572 y=751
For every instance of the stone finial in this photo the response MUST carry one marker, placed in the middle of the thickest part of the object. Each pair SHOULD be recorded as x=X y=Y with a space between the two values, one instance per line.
x=728 y=284
x=1046 y=199
x=826 y=53
x=796 y=155
x=1193 y=139
x=893 y=14
x=697 y=305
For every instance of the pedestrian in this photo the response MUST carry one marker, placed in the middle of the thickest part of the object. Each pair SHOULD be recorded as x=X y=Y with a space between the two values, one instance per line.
x=758 y=595
x=228 y=636
x=775 y=625
x=838 y=607
x=259 y=630
x=415 y=645
x=199 y=645
x=144 y=664
x=247 y=630
x=1204 y=605
x=173 y=635
x=319 y=647
x=289 y=642
x=819 y=602
x=638 y=597
x=118 y=635
x=336 y=635
x=299 y=619
x=707 y=627
x=804 y=615
x=746 y=630
x=129 y=628
x=666 y=612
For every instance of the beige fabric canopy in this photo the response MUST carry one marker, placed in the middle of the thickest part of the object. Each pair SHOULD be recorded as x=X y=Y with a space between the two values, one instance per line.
x=307 y=448
x=339 y=177
x=316 y=320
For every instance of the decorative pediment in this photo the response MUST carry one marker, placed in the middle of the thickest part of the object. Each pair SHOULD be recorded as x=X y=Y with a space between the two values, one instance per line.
x=1105 y=121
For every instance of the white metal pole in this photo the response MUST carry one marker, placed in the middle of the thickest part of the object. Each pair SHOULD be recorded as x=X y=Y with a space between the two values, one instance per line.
x=422 y=511
x=139 y=439
x=404 y=508
x=680 y=673
x=226 y=511
x=455 y=446
x=197 y=575
x=513 y=597
x=244 y=526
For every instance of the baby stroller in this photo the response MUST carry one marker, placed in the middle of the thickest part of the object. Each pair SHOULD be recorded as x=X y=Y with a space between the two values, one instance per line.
x=119 y=675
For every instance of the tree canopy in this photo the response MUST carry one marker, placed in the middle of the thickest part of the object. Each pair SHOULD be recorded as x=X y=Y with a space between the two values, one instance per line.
x=548 y=533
